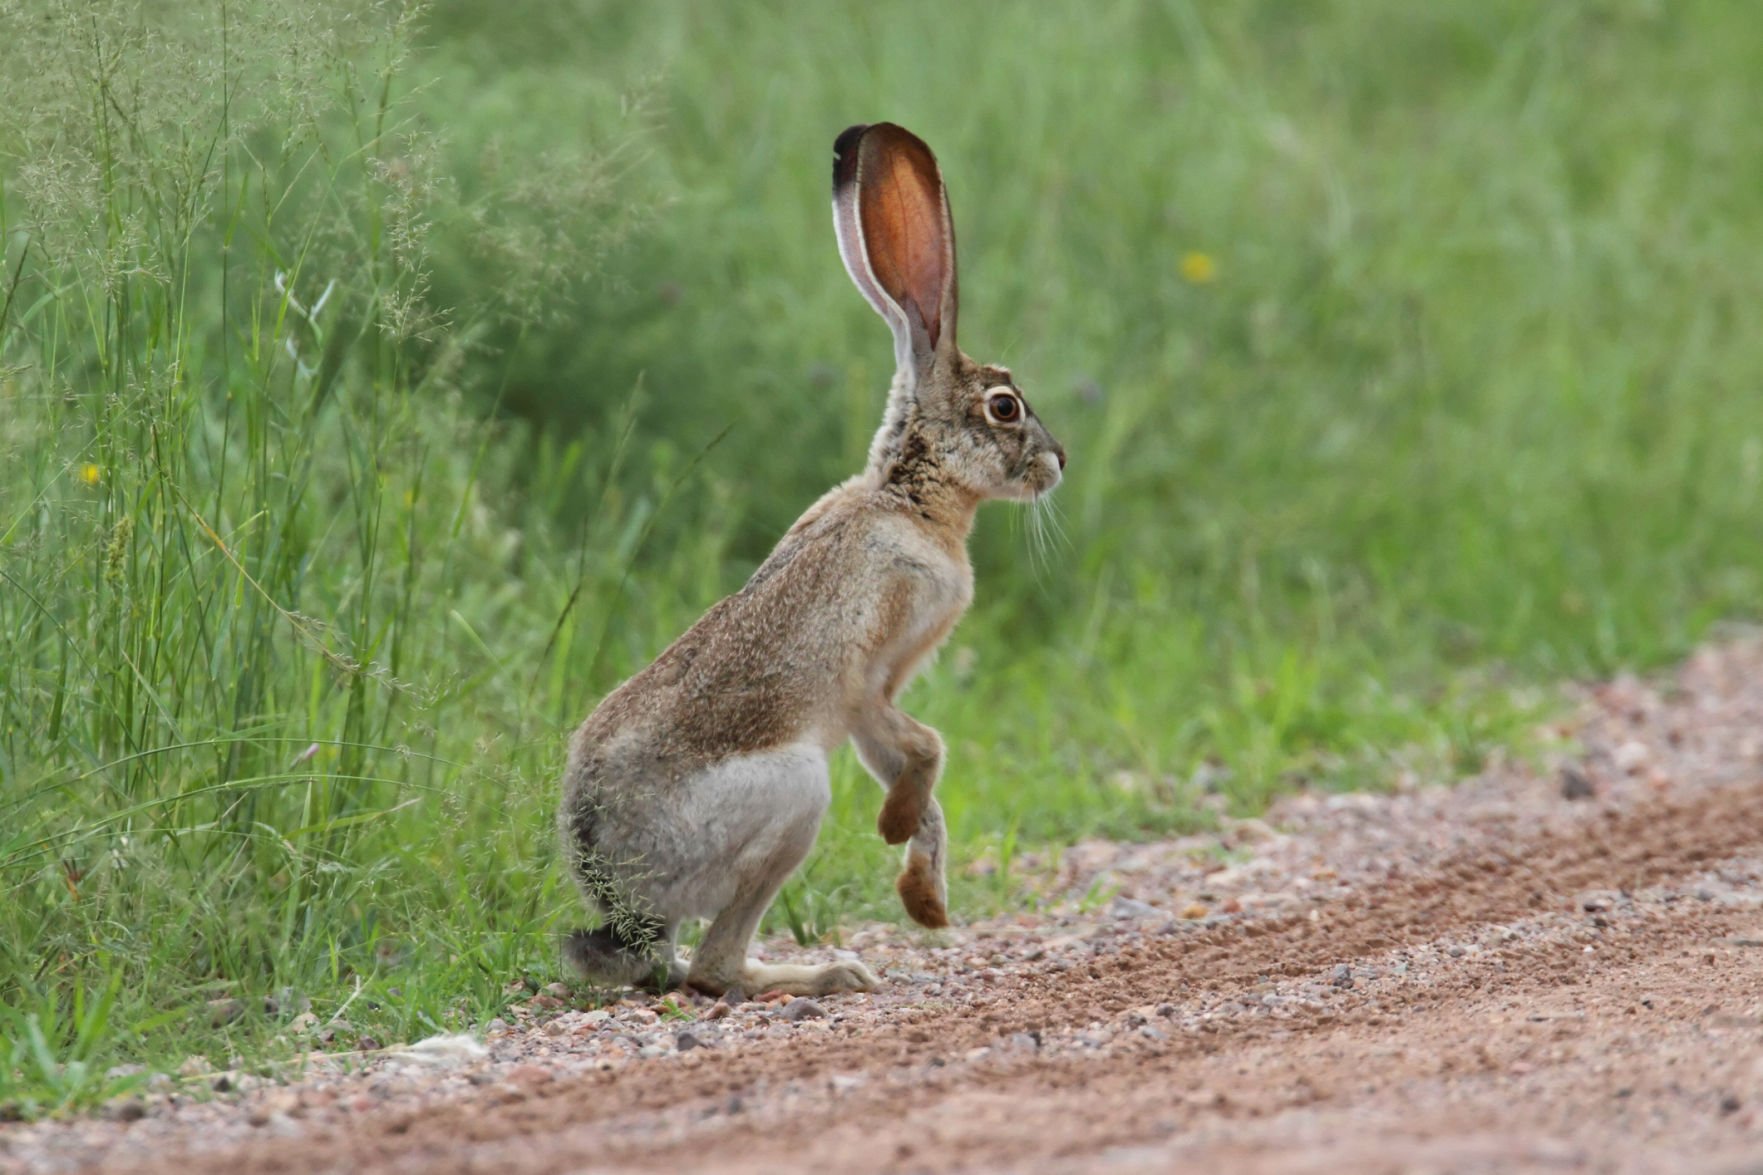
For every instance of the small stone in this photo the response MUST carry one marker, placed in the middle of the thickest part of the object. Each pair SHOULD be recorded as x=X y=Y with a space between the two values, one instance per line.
x=558 y=991
x=286 y=1002
x=1456 y=952
x=496 y=1027
x=716 y=1012
x=128 y=1109
x=368 y=1044
x=1123 y=907
x=284 y=1103
x=1194 y=911
x=224 y=1083
x=798 y=1010
x=1027 y=1042
x=1574 y=784
x=734 y=997
x=685 y=1042
x=528 y=1076
x=1342 y=977
x=1730 y=1104
x=1631 y=756
x=225 y=1011
x=640 y=1016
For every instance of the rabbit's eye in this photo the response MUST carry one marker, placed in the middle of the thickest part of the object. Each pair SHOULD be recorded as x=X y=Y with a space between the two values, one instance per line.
x=1004 y=407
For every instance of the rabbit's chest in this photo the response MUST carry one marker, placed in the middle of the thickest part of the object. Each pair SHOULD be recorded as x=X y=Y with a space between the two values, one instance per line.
x=941 y=590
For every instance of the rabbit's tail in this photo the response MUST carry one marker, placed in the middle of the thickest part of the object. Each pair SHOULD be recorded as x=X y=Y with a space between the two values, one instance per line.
x=615 y=959
x=628 y=948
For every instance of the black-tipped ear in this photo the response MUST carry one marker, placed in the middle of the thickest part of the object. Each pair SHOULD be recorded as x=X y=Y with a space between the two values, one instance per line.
x=891 y=213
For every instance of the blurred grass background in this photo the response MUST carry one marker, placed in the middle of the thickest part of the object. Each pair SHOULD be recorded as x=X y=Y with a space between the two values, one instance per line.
x=378 y=386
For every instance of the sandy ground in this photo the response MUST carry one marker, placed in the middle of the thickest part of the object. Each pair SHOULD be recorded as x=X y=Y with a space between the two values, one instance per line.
x=1550 y=969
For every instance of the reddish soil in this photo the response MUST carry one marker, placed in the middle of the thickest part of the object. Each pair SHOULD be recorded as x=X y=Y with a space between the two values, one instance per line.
x=1554 y=969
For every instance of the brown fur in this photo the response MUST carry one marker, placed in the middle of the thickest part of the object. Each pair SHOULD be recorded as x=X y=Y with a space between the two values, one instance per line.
x=740 y=710
x=918 y=894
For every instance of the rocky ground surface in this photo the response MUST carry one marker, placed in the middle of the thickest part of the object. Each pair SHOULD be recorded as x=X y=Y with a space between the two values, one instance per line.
x=1554 y=968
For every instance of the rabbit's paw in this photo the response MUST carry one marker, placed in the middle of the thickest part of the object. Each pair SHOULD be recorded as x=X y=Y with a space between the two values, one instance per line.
x=901 y=814
x=921 y=892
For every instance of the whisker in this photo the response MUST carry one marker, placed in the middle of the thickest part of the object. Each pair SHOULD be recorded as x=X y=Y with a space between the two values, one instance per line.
x=1048 y=522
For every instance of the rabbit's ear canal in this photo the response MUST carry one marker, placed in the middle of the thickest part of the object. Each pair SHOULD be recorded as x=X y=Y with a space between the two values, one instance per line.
x=895 y=234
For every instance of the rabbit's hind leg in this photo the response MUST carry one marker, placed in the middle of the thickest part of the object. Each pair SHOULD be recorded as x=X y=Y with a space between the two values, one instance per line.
x=775 y=800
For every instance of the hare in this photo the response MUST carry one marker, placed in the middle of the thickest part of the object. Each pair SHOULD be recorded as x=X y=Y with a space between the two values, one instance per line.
x=698 y=786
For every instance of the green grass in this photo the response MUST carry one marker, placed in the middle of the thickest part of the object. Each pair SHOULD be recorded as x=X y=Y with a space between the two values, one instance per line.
x=297 y=606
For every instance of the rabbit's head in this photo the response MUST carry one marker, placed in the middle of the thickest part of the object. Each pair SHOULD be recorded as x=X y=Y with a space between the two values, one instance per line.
x=968 y=419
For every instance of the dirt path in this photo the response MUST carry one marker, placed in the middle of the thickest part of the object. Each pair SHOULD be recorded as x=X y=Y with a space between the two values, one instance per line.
x=1560 y=970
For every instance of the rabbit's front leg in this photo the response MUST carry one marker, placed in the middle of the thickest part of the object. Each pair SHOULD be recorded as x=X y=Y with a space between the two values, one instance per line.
x=906 y=757
x=920 y=884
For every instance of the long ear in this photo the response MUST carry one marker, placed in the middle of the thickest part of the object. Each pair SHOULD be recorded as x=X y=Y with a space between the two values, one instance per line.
x=896 y=236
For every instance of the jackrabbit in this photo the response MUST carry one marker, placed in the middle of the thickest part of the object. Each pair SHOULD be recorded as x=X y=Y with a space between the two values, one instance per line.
x=698 y=785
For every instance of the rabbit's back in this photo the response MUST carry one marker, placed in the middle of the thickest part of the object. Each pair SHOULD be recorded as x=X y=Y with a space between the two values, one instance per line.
x=782 y=660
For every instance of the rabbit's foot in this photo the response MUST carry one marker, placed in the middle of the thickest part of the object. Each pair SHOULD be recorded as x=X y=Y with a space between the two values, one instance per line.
x=801 y=979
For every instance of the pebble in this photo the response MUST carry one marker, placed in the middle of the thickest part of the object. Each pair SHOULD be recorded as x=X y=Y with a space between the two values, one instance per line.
x=1574 y=784
x=798 y=1010
x=225 y=1011
x=528 y=1076
x=685 y=1042
x=127 y=1109
x=1122 y=907
x=1631 y=756
x=1343 y=976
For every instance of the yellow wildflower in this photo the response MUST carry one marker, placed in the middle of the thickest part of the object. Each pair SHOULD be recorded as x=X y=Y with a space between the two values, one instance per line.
x=1199 y=268
x=91 y=474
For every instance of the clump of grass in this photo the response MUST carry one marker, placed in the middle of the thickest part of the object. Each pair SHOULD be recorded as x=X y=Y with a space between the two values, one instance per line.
x=251 y=569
